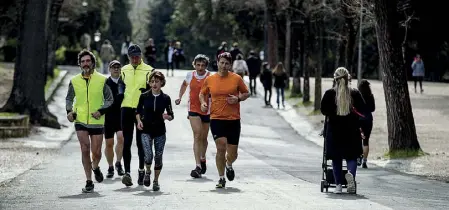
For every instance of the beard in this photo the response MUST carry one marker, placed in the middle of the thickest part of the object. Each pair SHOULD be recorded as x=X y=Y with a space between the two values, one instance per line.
x=87 y=69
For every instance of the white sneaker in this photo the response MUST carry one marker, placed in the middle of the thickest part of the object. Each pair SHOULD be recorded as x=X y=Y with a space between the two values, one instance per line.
x=351 y=183
x=338 y=189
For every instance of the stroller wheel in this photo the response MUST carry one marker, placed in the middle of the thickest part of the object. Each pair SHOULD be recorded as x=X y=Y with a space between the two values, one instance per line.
x=322 y=185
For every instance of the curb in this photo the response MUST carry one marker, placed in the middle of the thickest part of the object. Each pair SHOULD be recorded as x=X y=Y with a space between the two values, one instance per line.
x=48 y=98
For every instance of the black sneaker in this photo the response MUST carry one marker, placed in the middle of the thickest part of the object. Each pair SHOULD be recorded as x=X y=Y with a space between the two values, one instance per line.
x=196 y=173
x=110 y=173
x=364 y=165
x=126 y=180
x=221 y=183
x=98 y=175
x=118 y=167
x=156 y=186
x=147 y=179
x=230 y=174
x=141 y=175
x=89 y=187
x=203 y=167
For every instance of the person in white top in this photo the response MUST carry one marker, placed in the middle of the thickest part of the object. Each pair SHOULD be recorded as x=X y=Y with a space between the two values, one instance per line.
x=199 y=120
x=239 y=66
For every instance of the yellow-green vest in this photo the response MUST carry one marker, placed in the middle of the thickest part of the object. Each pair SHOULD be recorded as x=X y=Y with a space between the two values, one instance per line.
x=134 y=80
x=88 y=97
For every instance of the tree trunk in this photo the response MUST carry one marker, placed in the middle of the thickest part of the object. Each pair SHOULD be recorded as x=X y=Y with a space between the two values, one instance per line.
x=52 y=35
x=308 y=54
x=400 y=121
x=341 y=59
x=296 y=89
x=350 y=34
x=288 y=52
x=272 y=33
x=28 y=95
x=317 y=101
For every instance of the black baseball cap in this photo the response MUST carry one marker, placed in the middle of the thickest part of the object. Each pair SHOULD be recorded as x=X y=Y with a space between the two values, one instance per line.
x=134 y=50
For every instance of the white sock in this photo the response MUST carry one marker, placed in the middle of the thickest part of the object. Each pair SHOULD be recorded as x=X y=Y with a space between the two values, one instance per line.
x=221 y=177
x=228 y=166
x=198 y=165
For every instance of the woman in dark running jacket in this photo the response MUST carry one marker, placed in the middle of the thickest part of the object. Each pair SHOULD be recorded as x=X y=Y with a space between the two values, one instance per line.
x=151 y=118
x=366 y=122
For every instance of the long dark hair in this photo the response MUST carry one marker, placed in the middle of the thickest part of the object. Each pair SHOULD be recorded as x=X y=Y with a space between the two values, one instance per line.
x=364 y=88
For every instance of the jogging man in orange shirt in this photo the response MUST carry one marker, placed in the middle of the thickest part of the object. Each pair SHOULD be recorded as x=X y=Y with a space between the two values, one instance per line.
x=199 y=120
x=226 y=89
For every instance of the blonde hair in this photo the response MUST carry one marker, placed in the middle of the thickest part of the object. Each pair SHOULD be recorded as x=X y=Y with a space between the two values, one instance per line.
x=343 y=98
x=279 y=69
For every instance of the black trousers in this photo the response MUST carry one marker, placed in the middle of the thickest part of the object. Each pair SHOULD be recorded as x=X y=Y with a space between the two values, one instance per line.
x=128 y=123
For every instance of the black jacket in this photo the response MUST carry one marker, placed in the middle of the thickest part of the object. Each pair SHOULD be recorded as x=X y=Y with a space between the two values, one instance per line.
x=254 y=65
x=343 y=135
x=151 y=108
x=113 y=111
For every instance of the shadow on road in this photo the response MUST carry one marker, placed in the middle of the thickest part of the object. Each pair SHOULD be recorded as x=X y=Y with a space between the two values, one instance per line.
x=227 y=190
x=201 y=180
x=345 y=196
x=152 y=193
x=111 y=180
x=131 y=189
x=82 y=196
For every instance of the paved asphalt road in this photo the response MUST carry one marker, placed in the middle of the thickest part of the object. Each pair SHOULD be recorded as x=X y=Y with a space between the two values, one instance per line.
x=276 y=169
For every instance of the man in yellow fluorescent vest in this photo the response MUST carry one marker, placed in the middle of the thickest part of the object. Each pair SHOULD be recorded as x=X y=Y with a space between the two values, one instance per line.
x=87 y=100
x=134 y=76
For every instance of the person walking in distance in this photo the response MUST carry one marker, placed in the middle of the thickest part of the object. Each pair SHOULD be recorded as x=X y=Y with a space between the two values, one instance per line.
x=367 y=119
x=112 y=123
x=153 y=109
x=418 y=71
x=253 y=62
x=266 y=77
x=280 y=78
x=341 y=105
x=169 y=51
x=199 y=120
x=239 y=66
x=226 y=90
x=135 y=77
x=87 y=100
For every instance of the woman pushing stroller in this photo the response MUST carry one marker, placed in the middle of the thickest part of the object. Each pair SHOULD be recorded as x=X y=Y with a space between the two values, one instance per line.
x=341 y=105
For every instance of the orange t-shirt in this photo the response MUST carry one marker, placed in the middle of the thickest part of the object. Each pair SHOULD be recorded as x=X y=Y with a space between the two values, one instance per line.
x=220 y=88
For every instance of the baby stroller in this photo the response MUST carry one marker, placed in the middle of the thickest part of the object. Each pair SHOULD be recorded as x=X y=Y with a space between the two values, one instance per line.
x=327 y=178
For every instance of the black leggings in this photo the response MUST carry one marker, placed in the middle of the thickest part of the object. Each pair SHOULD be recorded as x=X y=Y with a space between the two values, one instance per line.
x=267 y=96
x=252 y=84
x=128 y=123
x=418 y=79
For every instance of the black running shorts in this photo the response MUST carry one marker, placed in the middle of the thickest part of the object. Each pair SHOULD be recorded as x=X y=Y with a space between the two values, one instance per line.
x=111 y=127
x=226 y=128
x=204 y=118
x=91 y=131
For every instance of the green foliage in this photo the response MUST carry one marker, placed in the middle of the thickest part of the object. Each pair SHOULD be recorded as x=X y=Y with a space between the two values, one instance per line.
x=8 y=114
x=99 y=64
x=201 y=25
x=60 y=54
x=56 y=72
x=120 y=24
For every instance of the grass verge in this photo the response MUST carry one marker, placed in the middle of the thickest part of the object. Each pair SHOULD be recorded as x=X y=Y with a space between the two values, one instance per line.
x=401 y=154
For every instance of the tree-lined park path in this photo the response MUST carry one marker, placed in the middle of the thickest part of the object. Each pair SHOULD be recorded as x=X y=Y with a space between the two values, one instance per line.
x=277 y=168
